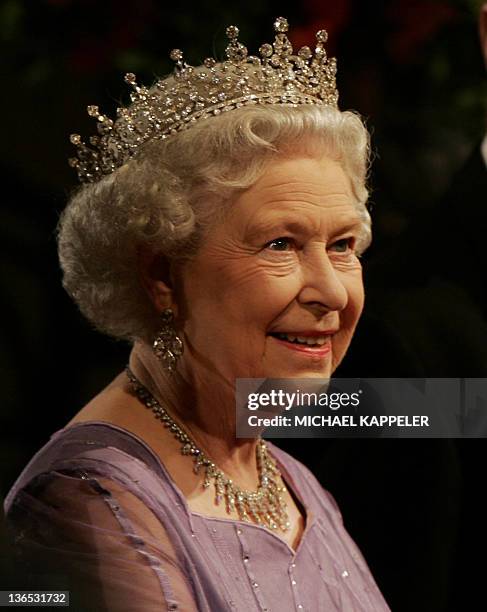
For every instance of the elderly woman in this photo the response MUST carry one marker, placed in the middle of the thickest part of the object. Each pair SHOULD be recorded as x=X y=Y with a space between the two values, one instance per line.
x=218 y=229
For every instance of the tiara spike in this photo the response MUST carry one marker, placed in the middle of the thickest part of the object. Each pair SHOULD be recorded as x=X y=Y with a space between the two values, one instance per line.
x=232 y=32
x=177 y=56
x=322 y=36
x=131 y=79
x=75 y=139
x=236 y=52
x=278 y=76
x=92 y=110
x=281 y=24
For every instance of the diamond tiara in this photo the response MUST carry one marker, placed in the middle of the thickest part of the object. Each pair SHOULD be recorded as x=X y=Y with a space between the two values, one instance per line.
x=193 y=93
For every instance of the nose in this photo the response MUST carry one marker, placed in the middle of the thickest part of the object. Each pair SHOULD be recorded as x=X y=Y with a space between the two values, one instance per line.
x=322 y=289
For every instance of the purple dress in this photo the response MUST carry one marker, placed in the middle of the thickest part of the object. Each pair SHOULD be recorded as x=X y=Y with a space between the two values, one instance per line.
x=100 y=510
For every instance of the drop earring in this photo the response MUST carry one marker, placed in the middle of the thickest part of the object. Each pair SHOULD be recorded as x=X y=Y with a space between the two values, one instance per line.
x=167 y=345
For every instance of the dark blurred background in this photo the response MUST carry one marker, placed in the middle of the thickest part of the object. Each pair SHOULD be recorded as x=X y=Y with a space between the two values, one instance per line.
x=415 y=72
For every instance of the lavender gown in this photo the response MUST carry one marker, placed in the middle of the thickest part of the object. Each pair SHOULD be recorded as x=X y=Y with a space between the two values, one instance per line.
x=96 y=509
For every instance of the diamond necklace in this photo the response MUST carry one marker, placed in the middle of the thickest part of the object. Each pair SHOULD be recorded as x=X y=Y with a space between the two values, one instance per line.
x=265 y=506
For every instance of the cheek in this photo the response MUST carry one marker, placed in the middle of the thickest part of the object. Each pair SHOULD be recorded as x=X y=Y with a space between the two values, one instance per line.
x=260 y=301
x=238 y=295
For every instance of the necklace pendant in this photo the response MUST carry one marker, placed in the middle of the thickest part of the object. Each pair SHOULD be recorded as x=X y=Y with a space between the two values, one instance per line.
x=230 y=502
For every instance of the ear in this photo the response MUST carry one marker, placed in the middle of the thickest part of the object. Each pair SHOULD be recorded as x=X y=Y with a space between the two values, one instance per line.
x=483 y=30
x=156 y=276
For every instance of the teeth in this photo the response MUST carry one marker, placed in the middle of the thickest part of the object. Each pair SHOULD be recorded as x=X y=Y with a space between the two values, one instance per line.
x=310 y=341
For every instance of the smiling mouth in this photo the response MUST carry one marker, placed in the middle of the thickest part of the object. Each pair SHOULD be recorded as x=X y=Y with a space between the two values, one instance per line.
x=318 y=341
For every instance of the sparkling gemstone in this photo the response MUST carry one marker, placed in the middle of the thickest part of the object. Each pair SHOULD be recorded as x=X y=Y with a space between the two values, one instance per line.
x=322 y=35
x=345 y=574
x=232 y=32
x=281 y=25
x=176 y=55
x=75 y=139
x=93 y=110
x=130 y=78
x=209 y=62
x=266 y=50
x=305 y=53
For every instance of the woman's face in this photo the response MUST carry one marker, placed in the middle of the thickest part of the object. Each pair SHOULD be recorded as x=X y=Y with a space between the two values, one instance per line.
x=281 y=266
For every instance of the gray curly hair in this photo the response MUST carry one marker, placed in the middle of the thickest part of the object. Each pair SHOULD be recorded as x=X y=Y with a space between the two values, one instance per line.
x=174 y=190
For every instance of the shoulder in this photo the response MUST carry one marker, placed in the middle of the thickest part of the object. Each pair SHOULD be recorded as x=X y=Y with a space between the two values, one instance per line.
x=88 y=521
x=93 y=449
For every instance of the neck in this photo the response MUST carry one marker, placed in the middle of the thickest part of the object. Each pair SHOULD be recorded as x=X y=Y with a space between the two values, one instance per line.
x=205 y=411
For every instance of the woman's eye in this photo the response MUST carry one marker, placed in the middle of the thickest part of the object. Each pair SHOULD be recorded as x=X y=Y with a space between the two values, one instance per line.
x=342 y=246
x=279 y=244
